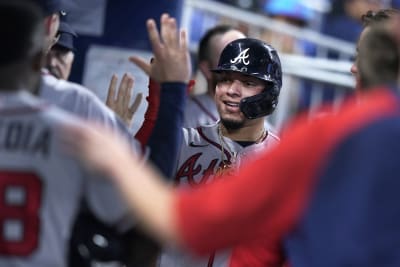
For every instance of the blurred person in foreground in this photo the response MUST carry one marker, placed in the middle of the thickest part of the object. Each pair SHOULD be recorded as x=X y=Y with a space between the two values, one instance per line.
x=41 y=187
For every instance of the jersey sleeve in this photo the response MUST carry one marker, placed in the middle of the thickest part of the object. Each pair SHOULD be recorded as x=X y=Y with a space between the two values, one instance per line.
x=166 y=137
x=100 y=193
x=104 y=200
x=150 y=116
x=82 y=102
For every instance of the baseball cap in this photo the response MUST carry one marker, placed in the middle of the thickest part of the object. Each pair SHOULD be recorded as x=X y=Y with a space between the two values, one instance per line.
x=49 y=6
x=67 y=35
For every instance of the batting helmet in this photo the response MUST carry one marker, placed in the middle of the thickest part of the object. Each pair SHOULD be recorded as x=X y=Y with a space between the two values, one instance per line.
x=257 y=59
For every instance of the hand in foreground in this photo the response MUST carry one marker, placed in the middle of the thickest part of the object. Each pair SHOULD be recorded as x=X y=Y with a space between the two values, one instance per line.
x=99 y=148
x=120 y=105
x=171 y=55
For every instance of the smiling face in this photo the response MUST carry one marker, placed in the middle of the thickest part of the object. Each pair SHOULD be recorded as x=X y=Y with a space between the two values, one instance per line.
x=231 y=88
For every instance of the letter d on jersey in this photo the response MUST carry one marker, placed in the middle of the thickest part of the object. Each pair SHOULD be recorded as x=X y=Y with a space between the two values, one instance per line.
x=243 y=56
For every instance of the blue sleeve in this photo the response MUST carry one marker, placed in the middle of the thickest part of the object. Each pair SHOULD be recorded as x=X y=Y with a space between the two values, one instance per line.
x=166 y=137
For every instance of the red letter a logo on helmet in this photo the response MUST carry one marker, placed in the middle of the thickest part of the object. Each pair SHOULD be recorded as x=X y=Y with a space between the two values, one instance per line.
x=243 y=56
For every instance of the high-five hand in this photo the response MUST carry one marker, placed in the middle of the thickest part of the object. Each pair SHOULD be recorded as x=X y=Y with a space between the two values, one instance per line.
x=171 y=56
x=120 y=104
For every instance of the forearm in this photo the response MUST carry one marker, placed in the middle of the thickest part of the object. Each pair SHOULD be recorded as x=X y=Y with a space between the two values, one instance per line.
x=149 y=198
x=166 y=136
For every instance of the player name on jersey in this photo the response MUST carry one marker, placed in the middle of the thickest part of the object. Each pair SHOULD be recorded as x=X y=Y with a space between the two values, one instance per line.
x=19 y=136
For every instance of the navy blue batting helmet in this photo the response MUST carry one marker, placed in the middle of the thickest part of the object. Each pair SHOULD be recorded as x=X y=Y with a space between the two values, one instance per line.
x=255 y=58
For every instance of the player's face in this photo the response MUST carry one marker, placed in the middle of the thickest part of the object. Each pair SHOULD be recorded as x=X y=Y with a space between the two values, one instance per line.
x=354 y=68
x=231 y=88
x=59 y=62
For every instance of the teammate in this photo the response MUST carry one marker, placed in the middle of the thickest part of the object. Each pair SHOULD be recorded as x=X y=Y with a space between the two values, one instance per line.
x=40 y=186
x=332 y=204
x=250 y=70
x=201 y=109
x=370 y=19
x=62 y=54
x=81 y=102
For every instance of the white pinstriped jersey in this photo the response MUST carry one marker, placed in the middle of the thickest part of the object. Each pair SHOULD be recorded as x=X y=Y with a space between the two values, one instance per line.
x=200 y=156
x=41 y=188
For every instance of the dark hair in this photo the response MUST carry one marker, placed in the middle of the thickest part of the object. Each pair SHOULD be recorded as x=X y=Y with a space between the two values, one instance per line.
x=19 y=21
x=204 y=45
x=372 y=17
x=378 y=61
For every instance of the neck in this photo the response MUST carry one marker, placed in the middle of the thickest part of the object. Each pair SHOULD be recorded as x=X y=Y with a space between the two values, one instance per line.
x=14 y=79
x=250 y=133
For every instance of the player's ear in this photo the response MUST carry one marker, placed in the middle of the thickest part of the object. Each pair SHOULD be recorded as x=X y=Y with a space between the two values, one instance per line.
x=51 y=24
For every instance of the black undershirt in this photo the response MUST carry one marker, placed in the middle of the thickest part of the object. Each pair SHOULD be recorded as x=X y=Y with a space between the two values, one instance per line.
x=245 y=143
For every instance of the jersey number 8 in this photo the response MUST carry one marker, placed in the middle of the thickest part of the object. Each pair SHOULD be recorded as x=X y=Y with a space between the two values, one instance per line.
x=19 y=212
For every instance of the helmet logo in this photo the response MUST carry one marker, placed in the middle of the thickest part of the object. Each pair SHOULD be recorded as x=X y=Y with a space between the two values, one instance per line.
x=242 y=57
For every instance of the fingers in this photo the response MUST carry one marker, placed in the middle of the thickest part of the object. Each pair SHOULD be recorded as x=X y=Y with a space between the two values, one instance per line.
x=169 y=32
x=111 y=90
x=128 y=87
x=136 y=103
x=122 y=89
x=154 y=36
x=141 y=63
x=183 y=41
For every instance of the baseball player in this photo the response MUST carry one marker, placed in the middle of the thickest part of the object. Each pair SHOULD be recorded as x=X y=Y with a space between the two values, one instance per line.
x=40 y=187
x=249 y=79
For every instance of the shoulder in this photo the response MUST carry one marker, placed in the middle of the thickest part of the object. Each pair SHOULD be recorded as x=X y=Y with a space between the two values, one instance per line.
x=272 y=138
x=52 y=86
x=81 y=102
x=355 y=114
x=73 y=98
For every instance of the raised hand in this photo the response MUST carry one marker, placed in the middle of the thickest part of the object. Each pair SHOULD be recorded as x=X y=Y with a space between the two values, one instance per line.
x=120 y=104
x=171 y=56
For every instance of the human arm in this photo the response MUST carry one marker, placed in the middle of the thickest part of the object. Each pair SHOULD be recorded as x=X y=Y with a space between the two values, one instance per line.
x=171 y=69
x=150 y=115
x=230 y=210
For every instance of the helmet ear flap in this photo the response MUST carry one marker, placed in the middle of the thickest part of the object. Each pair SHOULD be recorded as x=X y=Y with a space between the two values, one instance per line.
x=260 y=105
